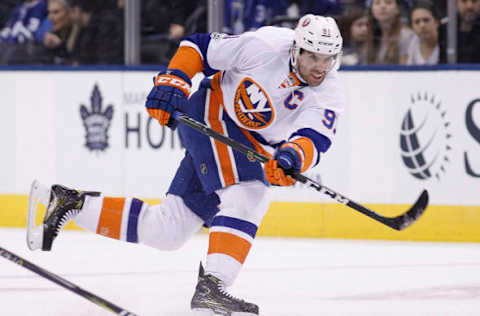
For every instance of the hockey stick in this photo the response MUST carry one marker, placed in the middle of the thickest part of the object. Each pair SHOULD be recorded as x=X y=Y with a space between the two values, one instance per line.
x=64 y=283
x=399 y=222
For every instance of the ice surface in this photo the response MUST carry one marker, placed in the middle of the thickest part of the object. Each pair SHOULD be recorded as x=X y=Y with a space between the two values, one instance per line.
x=285 y=277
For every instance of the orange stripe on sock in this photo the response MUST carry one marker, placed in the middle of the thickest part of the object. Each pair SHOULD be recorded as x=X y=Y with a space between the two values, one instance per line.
x=230 y=245
x=188 y=60
x=226 y=165
x=110 y=221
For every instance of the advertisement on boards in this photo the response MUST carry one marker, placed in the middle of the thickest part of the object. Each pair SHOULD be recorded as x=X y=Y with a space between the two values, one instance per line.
x=401 y=132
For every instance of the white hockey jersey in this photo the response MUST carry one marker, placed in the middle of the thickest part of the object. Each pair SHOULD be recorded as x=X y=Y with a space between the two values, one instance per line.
x=260 y=92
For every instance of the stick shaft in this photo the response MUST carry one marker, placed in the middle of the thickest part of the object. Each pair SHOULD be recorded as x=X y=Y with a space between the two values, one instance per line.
x=64 y=283
x=398 y=223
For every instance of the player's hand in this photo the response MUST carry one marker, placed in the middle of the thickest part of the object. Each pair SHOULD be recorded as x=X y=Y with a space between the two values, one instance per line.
x=170 y=93
x=284 y=160
x=275 y=174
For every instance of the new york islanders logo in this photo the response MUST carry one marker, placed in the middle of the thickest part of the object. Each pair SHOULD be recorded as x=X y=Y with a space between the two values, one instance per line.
x=252 y=105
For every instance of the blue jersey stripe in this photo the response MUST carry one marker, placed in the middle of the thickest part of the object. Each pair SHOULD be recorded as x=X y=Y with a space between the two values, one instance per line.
x=235 y=223
x=321 y=142
x=132 y=231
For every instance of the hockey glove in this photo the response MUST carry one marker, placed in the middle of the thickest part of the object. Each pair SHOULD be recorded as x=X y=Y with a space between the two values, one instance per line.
x=170 y=93
x=285 y=160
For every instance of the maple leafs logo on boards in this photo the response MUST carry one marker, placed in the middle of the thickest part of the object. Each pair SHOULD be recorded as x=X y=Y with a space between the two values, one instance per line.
x=96 y=122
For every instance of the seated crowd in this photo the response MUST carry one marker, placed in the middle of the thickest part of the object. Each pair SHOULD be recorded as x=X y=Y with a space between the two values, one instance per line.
x=63 y=32
x=91 y=32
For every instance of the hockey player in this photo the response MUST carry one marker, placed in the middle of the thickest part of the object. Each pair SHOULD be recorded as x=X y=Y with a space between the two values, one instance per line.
x=276 y=90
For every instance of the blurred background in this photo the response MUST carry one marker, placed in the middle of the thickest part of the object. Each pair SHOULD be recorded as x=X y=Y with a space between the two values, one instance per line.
x=140 y=32
x=74 y=75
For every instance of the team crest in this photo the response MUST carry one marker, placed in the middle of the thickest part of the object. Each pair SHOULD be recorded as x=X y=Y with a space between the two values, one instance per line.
x=96 y=122
x=252 y=105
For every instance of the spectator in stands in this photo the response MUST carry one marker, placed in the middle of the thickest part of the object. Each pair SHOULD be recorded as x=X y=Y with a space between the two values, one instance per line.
x=354 y=27
x=468 y=33
x=17 y=37
x=24 y=21
x=388 y=37
x=100 y=40
x=60 y=39
x=424 y=48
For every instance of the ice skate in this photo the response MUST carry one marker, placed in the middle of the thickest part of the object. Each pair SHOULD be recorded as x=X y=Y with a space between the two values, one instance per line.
x=62 y=204
x=211 y=298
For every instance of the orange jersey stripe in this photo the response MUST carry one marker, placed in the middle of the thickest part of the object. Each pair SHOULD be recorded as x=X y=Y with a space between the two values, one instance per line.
x=258 y=147
x=308 y=149
x=110 y=221
x=215 y=83
x=230 y=245
x=222 y=149
x=188 y=60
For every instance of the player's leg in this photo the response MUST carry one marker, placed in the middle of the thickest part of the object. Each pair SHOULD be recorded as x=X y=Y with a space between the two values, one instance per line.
x=231 y=236
x=165 y=226
x=220 y=170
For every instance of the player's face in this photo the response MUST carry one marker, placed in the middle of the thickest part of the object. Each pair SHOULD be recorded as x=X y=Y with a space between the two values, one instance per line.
x=313 y=67
x=424 y=24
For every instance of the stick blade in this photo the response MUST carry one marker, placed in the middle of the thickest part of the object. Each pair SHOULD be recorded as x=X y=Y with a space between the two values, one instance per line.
x=413 y=214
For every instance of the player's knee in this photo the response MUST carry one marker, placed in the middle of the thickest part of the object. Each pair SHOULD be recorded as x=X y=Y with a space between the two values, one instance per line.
x=248 y=200
x=169 y=225
x=168 y=240
x=258 y=204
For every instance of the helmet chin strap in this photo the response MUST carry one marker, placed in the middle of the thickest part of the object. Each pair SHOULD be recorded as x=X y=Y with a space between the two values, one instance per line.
x=295 y=51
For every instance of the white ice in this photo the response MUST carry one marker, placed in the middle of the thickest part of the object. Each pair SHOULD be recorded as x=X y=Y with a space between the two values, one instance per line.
x=285 y=277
